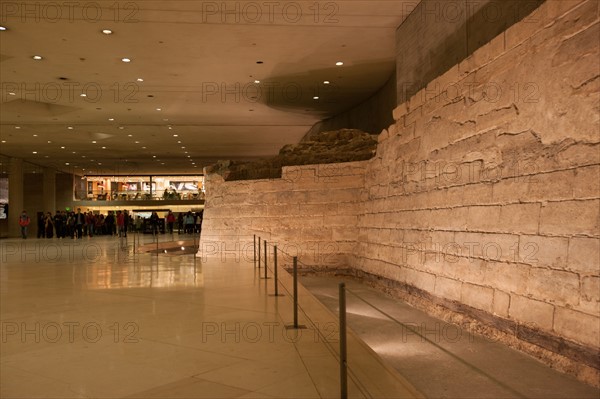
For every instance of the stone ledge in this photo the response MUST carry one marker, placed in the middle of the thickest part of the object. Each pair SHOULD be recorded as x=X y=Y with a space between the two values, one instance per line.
x=559 y=353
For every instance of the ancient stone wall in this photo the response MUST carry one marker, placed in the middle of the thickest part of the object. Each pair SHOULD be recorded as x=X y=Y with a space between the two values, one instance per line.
x=483 y=197
x=485 y=192
x=311 y=211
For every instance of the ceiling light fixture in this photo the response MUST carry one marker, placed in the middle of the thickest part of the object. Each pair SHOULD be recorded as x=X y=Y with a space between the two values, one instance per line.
x=326 y=82
x=2 y=28
x=70 y=127
x=159 y=109
x=107 y=31
x=37 y=57
x=111 y=119
x=315 y=97
x=339 y=63
x=257 y=81
x=125 y=60
x=140 y=79
x=34 y=152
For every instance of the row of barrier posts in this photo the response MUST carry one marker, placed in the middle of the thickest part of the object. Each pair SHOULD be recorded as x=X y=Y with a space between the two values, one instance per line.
x=342 y=307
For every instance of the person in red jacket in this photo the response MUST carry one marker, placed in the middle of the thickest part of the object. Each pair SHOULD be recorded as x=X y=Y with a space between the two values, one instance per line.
x=121 y=223
x=24 y=221
x=170 y=221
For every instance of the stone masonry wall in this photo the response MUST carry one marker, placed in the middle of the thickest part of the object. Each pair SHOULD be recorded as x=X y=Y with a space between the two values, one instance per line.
x=312 y=212
x=485 y=192
x=483 y=196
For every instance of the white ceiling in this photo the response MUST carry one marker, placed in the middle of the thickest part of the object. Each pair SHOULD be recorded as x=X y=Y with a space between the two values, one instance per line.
x=198 y=65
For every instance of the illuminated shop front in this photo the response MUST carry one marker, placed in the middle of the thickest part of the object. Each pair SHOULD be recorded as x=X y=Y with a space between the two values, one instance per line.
x=139 y=188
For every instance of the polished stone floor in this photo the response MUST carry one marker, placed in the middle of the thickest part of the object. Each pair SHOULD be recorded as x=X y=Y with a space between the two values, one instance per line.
x=94 y=318
x=440 y=359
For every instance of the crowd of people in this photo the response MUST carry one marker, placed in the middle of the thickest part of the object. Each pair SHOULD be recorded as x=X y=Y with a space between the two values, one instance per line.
x=76 y=225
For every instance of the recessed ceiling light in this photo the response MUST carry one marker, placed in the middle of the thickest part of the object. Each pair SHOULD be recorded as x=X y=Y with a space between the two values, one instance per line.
x=34 y=152
x=170 y=127
x=12 y=94
x=2 y=28
x=107 y=31
x=162 y=163
x=66 y=163
x=153 y=156
x=70 y=127
x=326 y=82
x=74 y=152
x=49 y=142
x=137 y=142
x=93 y=141
x=315 y=97
x=35 y=135
x=17 y=127
x=185 y=152
x=140 y=79
x=182 y=146
x=257 y=81
x=130 y=135
x=63 y=147
x=4 y=141
x=37 y=57
x=178 y=141
x=121 y=127
x=189 y=156
x=111 y=119
x=165 y=119
x=159 y=109
x=83 y=156
x=125 y=60
x=46 y=156
x=339 y=63
x=83 y=95
x=143 y=148
x=104 y=148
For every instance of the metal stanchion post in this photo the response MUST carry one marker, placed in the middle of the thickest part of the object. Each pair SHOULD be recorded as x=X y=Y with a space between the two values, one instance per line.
x=295 y=292
x=266 y=256
x=343 y=354
x=275 y=269
x=295 y=275
x=259 y=252
x=254 y=247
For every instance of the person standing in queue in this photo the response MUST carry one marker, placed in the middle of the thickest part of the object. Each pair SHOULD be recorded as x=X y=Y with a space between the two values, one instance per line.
x=24 y=221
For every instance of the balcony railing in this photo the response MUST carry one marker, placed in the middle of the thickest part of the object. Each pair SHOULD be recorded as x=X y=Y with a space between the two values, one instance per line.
x=138 y=196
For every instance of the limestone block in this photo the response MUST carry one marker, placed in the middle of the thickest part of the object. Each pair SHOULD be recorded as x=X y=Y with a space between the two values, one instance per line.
x=541 y=251
x=337 y=220
x=590 y=295
x=549 y=186
x=285 y=210
x=484 y=218
x=510 y=190
x=508 y=277
x=469 y=270
x=415 y=114
x=491 y=247
x=383 y=136
x=478 y=296
x=577 y=326
x=584 y=255
x=455 y=219
x=535 y=314
x=400 y=111
x=422 y=280
x=586 y=182
x=570 y=217
x=501 y=303
x=448 y=288
x=344 y=234
x=554 y=286
x=520 y=218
